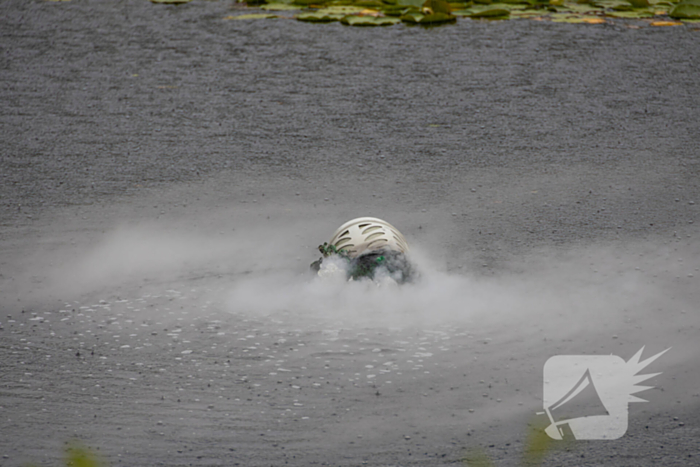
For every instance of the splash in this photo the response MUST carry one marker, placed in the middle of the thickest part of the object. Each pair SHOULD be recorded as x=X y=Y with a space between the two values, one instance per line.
x=631 y=378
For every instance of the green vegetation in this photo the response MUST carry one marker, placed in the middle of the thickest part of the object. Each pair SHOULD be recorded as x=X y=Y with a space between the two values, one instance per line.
x=78 y=455
x=328 y=250
x=435 y=12
x=687 y=9
x=477 y=458
x=537 y=446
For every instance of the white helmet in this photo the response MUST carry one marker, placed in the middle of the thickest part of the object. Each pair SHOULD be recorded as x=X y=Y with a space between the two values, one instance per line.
x=368 y=234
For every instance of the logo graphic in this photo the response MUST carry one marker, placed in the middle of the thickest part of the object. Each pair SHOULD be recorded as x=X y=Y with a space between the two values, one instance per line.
x=587 y=396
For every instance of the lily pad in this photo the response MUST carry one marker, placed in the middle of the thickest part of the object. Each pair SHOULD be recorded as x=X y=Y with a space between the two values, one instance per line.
x=397 y=10
x=507 y=6
x=580 y=7
x=340 y=10
x=618 y=5
x=251 y=16
x=639 y=3
x=369 y=3
x=634 y=14
x=355 y=20
x=685 y=10
x=317 y=17
x=525 y=14
x=490 y=13
x=415 y=3
x=435 y=6
x=280 y=7
x=564 y=18
x=459 y=5
x=420 y=18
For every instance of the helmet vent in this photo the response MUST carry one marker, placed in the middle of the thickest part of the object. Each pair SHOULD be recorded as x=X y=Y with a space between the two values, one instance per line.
x=374 y=235
x=342 y=242
x=371 y=244
x=366 y=234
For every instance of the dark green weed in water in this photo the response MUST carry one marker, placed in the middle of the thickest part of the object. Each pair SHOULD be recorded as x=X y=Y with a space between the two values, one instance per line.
x=438 y=12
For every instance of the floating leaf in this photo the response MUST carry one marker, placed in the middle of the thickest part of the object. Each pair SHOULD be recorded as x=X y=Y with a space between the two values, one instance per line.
x=506 y=6
x=319 y=18
x=666 y=23
x=355 y=20
x=435 y=6
x=525 y=14
x=685 y=10
x=639 y=3
x=634 y=14
x=280 y=7
x=412 y=17
x=415 y=3
x=251 y=16
x=420 y=18
x=340 y=10
x=490 y=13
x=369 y=3
x=565 y=18
x=396 y=10
x=580 y=7
x=623 y=6
x=619 y=5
